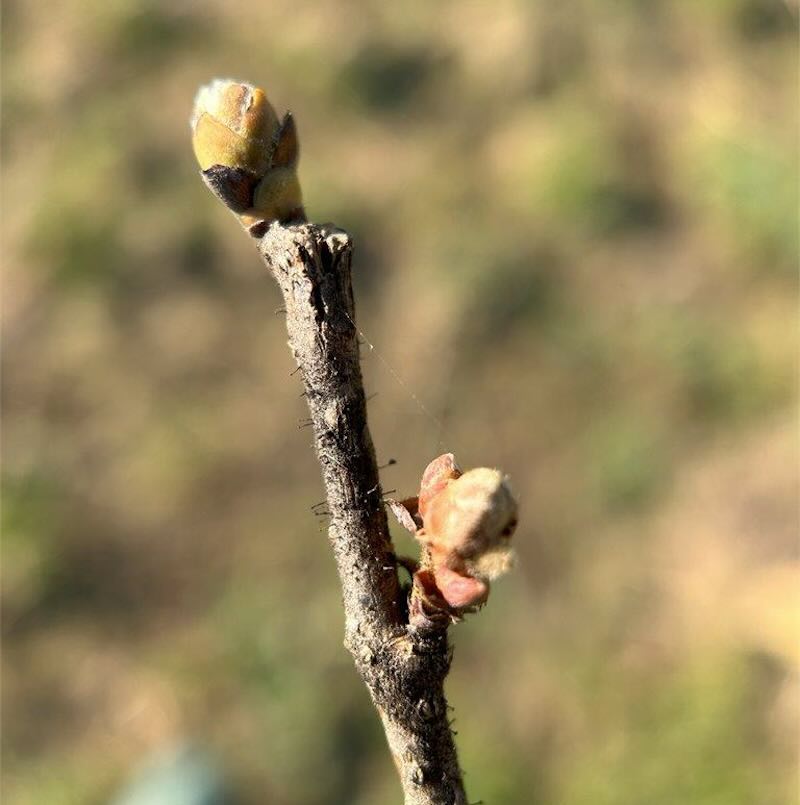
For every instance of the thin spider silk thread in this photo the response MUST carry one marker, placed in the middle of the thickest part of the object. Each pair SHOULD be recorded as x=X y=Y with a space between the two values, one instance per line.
x=402 y=383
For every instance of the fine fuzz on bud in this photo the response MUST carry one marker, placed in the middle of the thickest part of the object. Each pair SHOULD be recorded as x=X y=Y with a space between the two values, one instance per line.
x=247 y=157
x=472 y=516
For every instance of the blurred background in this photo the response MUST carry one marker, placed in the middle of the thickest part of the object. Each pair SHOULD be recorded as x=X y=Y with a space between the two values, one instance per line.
x=576 y=258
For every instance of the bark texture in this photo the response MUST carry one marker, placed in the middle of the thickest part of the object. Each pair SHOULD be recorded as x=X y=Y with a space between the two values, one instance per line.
x=403 y=667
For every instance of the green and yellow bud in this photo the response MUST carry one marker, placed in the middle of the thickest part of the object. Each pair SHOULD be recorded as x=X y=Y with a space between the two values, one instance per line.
x=233 y=125
x=277 y=195
x=247 y=157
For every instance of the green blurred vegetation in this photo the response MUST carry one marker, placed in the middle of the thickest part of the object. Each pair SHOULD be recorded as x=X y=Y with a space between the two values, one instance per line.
x=576 y=233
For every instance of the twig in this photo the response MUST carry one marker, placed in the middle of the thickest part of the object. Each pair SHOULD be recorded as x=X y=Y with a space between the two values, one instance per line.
x=403 y=668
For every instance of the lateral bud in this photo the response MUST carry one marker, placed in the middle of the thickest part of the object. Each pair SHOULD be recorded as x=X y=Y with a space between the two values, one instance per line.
x=464 y=522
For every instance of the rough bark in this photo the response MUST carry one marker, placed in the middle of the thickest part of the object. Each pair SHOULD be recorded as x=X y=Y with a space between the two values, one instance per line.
x=404 y=668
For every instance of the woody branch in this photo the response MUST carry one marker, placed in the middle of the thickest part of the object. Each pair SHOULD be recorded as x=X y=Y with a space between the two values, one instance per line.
x=404 y=668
